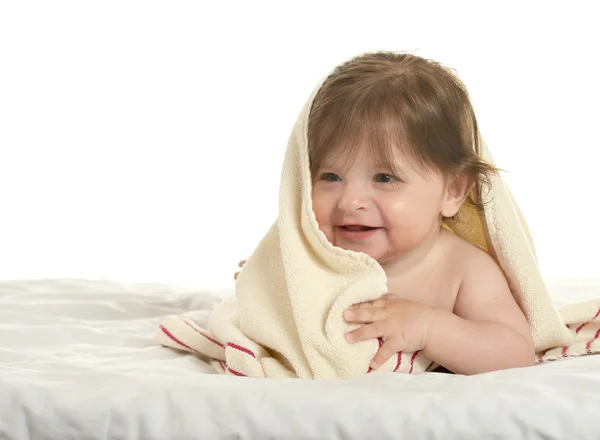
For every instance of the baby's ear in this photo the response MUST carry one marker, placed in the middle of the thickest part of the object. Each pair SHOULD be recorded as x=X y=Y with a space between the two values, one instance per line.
x=458 y=188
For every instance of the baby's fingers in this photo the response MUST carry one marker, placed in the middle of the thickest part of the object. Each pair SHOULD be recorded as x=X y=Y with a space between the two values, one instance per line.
x=364 y=315
x=240 y=264
x=366 y=304
x=370 y=331
x=389 y=348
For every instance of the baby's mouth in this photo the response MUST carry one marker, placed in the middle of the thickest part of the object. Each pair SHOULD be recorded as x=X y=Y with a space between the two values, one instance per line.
x=358 y=228
x=357 y=233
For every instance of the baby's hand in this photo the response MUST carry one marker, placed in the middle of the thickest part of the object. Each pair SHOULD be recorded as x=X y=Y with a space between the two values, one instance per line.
x=402 y=325
x=240 y=264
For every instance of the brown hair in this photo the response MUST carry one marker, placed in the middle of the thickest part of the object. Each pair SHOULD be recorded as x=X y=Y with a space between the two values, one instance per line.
x=387 y=100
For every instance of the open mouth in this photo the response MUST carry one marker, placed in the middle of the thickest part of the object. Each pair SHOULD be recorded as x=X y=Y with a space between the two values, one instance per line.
x=358 y=228
x=358 y=232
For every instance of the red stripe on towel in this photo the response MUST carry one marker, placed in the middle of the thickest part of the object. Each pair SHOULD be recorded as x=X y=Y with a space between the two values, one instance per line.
x=588 y=346
x=236 y=373
x=399 y=361
x=564 y=352
x=198 y=331
x=429 y=366
x=240 y=348
x=412 y=360
x=586 y=323
x=174 y=339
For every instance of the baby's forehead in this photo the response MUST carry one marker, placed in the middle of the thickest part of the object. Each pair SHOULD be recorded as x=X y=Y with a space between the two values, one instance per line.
x=365 y=157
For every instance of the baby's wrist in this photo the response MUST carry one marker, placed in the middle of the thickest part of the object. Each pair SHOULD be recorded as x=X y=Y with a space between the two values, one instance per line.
x=436 y=318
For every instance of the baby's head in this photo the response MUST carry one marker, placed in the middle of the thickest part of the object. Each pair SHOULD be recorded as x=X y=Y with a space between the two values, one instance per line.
x=394 y=148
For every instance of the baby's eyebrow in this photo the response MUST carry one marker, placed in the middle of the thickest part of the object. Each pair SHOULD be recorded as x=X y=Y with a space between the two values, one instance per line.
x=328 y=165
x=389 y=167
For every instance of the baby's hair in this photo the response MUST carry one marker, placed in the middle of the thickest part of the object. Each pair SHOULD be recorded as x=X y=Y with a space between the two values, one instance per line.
x=387 y=100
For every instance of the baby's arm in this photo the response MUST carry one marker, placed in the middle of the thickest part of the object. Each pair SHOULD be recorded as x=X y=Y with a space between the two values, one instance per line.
x=487 y=330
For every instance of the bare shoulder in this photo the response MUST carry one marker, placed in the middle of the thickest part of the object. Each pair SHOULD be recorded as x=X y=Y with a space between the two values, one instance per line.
x=484 y=293
x=466 y=259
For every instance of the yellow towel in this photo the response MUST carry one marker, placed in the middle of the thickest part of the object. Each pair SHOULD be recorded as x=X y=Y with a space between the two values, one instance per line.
x=286 y=318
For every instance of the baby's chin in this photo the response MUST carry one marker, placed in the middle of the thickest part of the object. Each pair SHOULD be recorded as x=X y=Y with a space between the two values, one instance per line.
x=367 y=247
x=371 y=251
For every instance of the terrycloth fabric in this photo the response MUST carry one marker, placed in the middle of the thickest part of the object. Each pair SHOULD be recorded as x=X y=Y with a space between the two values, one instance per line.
x=286 y=318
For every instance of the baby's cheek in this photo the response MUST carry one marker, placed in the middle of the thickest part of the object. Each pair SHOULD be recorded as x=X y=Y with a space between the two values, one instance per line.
x=405 y=239
x=321 y=207
x=406 y=230
x=321 y=215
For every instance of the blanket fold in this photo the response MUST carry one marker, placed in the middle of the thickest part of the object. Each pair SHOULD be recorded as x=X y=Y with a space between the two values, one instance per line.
x=286 y=317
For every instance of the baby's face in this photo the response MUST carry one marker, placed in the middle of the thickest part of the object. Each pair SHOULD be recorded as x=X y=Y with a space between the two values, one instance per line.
x=365 y=208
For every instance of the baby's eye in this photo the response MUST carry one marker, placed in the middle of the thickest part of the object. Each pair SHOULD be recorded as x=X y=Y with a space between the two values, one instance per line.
x=330 y=177
x=385 y=178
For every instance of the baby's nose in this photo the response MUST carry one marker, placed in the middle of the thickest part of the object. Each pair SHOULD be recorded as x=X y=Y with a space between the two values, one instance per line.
x=353 y=199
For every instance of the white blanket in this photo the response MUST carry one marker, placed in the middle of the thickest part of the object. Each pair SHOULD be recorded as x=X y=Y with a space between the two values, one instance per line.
x=286 y=317
x=77 y=361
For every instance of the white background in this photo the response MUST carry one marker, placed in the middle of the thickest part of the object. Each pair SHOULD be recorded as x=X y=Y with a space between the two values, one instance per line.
x=142 y=141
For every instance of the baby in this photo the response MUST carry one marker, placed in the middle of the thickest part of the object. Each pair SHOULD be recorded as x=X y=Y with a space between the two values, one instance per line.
x=394 y=152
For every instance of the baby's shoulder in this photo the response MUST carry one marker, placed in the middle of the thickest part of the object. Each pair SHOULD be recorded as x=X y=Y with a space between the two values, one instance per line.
x=465 y=257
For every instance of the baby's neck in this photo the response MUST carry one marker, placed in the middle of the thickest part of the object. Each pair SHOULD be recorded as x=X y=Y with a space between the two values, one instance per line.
x=417 y=259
